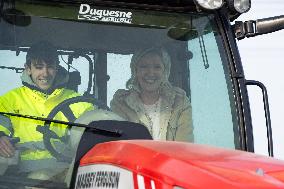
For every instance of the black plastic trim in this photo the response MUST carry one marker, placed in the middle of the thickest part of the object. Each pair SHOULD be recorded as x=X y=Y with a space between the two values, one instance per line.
x=238 y=80
x=267 y=113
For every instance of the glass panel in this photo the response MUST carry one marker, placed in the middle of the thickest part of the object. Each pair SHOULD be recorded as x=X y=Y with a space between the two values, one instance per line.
x=10 y=60
x=166 y=71
x=212 y=119
x=117 y=80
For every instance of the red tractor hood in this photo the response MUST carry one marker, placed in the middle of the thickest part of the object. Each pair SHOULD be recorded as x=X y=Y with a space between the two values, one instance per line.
x=190 y=166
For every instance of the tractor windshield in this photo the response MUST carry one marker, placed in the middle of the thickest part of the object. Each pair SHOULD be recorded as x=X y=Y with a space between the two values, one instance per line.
x=167 y=71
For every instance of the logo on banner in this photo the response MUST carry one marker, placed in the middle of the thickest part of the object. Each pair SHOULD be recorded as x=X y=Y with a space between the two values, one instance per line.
x=92 y=14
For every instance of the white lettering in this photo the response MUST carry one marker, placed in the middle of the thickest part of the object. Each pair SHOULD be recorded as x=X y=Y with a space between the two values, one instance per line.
x=116 y=13
x=100 y=179
x=99 y=13
x=82 y=11
x=129 y=15
x=88 y=13
x=112 y=13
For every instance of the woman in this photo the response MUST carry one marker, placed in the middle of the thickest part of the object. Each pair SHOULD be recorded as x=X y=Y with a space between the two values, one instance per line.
x=152 y=100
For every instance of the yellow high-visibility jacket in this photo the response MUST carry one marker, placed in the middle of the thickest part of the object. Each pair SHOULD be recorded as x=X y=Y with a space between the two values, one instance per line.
x=28 y=101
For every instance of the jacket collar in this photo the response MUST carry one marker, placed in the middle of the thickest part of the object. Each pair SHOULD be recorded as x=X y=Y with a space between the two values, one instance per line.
x=60 y=81
x=134 y=102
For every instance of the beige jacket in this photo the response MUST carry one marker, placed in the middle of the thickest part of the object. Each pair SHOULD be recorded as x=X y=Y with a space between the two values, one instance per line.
x=175 y=112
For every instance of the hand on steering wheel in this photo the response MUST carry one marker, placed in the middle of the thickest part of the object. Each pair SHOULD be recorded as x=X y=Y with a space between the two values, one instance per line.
x=64 y=107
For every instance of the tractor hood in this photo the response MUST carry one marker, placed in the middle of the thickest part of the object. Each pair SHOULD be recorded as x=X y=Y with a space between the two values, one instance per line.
x=189 y=165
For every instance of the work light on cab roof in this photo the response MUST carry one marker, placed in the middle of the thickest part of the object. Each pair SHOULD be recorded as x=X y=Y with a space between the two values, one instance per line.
x=210 y=4
x=240 y=6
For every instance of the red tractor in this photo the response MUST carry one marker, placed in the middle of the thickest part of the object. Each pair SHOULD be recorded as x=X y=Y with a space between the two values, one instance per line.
x=196 y=133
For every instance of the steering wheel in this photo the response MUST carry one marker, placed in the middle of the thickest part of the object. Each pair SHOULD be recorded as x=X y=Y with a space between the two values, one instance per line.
x=64 y=107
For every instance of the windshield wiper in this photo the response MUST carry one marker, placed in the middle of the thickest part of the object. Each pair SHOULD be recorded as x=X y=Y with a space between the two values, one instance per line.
x=18 y=70
x=115 y=133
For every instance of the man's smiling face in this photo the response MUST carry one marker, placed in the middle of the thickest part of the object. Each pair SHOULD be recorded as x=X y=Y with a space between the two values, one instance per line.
x=42 y=74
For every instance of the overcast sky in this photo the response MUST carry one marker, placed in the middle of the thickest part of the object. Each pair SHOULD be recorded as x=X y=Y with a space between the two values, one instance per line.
x=262 y=58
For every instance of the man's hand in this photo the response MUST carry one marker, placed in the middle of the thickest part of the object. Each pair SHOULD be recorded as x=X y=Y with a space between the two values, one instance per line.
x=6 y=148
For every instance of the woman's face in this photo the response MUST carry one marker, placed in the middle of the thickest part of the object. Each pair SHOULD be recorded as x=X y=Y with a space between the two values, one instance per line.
x=150 y=70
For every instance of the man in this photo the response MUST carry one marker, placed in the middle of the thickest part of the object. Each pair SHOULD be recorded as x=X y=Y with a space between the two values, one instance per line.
x=43 y=88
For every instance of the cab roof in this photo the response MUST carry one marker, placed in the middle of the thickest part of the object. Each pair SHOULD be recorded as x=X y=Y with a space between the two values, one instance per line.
x=173 y=5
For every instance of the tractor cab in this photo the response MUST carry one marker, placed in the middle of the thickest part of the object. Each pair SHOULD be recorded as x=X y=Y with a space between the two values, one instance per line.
x=96 y=43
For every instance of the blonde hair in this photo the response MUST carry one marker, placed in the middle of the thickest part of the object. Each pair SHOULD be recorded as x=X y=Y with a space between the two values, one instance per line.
x=132 y=83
